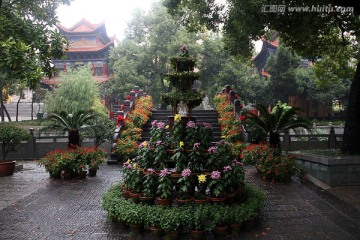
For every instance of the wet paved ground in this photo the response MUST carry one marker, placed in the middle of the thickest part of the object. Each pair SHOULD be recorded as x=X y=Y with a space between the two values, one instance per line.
x=32 y=206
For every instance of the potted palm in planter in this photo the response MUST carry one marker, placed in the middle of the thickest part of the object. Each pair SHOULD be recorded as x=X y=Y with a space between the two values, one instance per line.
x=10 y=137
x=73 y=124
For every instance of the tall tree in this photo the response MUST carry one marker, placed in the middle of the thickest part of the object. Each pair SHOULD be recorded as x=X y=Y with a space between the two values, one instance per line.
x=312 y=34
x=281 y=67
x=28 y=41
x=77 y=91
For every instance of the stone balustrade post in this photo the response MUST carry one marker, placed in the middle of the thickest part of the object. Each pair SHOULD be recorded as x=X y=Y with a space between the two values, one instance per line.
x=232 y=96
x=32 y=143
x=237 y=107
x=127 y=106
x=286 y=140
x=132 y=96
x=332 y=138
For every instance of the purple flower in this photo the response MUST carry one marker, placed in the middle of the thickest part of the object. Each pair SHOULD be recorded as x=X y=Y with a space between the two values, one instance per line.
x=191 y=124
x=212 y=149
x=186 y=172
x=158 y=143
x=196 y=145
x=164 y=172
x=161 y=125
x=227 y=168
x=154 y=123
x=238 y=163
x=151 y=170
x=215 y=174
x=207 y=125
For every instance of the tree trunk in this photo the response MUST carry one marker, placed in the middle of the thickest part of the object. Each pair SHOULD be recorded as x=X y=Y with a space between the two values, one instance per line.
x=351 y=143
x=74 y=139
x=274 y=140
x=17 y=109
x=6 y=112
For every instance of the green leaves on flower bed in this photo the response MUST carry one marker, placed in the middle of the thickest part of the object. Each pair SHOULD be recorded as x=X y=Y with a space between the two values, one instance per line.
x=192 y=98
x=190 y=216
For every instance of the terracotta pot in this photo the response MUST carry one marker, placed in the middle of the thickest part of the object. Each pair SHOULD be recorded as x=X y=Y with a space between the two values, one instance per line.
x=200 y=201
x=183 y=201
x=164 y=201
x=156 y=232
x=82 y=175
x=7 y=168
x=146 y=200
x=235 y=228
x=198 y=235
x=136 y=228
x=220 y=232
x=135 y=197
x=125 y=193
x=173 y=235
x=55 y=175
x=218 y=199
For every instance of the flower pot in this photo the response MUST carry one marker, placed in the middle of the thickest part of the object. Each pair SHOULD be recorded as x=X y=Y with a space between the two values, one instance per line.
x=198 y=234
x=146 y=200
x=92 y=172
x=220 y=232
x=235 y=229
x=164 y=201
x=173 y=235
x=200 y=201
x=218 y=199
x=156 y=232
x=67 y=174
x=135 y=197
x=125 y=194
x=230 y=198
x=7 y=168
x=183 y=201
x=82 y=174
x=121 y=224
x=136 y=228
x=54 y=175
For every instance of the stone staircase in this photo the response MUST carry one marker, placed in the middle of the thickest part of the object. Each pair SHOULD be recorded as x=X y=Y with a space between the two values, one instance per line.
x=209 y=116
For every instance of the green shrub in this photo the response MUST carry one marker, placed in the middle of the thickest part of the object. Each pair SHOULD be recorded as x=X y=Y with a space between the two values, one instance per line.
x=10 y=137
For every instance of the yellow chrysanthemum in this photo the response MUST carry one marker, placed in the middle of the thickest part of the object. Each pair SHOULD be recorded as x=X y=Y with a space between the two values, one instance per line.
x=202 y=178
x=167 y=127
x=181 y=144
x=135 y=165
x=128 y=161
x=177 y=117
x=223 y=136
x=145 y=143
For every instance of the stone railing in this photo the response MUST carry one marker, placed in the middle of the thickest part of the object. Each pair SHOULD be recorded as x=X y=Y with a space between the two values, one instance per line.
x=289 y=141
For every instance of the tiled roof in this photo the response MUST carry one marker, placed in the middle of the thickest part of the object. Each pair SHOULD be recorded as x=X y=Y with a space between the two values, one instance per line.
x=82 y=26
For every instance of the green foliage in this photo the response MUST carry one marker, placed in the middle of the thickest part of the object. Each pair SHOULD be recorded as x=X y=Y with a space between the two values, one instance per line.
x=281 y=66
x=26 y=50
x=10 y=137
x=194 y=216
x=78 y=91
x=192 y=98
x=281 y=118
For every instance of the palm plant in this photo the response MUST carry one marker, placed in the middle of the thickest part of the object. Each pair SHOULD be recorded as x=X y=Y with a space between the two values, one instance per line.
x=280 y=119
x=73 y=124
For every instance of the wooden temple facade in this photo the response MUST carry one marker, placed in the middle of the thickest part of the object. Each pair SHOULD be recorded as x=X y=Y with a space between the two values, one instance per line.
x=89 y=44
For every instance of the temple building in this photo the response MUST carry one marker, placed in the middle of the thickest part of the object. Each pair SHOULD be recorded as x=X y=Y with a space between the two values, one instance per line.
x=89 y=44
